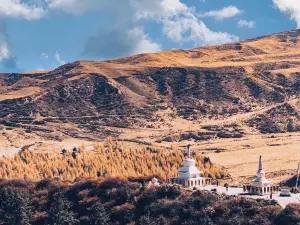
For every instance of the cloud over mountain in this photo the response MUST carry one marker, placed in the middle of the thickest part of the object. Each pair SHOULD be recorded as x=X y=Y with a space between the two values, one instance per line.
x=180 y=23
x=225 y=13
x=113 y=42
x=129 y=29
x=290 y=7
x=246 y=23
x=7 y=60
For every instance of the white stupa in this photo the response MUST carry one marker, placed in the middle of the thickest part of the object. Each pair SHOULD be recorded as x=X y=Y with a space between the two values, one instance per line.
x=260 y=184
x=188 y=175
x=154 y=181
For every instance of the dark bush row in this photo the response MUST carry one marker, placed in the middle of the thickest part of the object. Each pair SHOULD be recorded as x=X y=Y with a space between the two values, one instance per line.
x=134 y=202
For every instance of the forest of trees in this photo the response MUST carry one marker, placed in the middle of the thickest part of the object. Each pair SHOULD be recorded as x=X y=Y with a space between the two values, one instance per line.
x=119 y=201
x=111 y=159
x=111 y=185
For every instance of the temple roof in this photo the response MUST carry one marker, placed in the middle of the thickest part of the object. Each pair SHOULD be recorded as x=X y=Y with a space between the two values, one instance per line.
x=261 y=180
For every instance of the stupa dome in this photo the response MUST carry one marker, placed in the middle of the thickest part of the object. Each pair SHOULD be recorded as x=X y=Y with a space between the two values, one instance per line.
x=189 y=162
x=188 y=174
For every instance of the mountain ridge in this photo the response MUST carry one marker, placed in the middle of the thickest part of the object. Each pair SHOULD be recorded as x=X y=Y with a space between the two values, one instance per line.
x=152 y=92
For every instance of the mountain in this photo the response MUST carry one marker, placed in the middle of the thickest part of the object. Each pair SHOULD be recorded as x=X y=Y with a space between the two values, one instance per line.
x=228 y=90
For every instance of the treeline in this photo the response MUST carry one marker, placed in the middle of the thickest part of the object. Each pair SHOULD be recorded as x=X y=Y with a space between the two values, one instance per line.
x=133 y=202
x=111 y=159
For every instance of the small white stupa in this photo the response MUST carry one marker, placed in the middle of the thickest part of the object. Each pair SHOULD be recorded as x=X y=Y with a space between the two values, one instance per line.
x=154 y=181
x=260 y=185
x=188 y=175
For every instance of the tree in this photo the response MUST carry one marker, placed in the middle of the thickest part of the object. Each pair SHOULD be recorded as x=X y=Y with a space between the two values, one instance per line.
x=16 y=207
x=146 y=220
x=98 y=214
x=60 y=212
x=290 y=215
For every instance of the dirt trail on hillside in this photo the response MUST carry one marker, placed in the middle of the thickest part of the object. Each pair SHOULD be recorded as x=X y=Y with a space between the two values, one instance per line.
x=241 y=117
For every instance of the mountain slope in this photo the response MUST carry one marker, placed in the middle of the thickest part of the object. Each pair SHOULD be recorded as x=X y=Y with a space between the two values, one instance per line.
x=161 y=93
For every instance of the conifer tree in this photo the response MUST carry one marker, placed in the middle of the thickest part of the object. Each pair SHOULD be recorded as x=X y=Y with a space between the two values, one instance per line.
x=98 y=214
x=16 y=207
x=146 y=220
x=60 y=212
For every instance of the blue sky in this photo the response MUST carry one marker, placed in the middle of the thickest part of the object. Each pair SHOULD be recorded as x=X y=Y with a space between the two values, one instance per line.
x=43 y=34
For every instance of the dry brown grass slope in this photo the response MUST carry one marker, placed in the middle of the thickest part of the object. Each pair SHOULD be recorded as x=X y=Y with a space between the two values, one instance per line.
x=202 y=83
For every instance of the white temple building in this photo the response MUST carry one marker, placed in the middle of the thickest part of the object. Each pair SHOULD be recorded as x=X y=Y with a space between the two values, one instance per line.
x=260 y=185
x=188 y=175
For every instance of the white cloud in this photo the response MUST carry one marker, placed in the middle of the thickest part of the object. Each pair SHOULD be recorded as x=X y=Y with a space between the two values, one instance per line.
x=290 y=7
x=225 y=13
x=19 y=9
x=120 y=41
x=44 y=55
x=143 y=43
x=4 y=51
x=59 y=59
x=246 y=23
x=4 y=47
x=123 y=39
x=7 y=59
x=180 y=22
